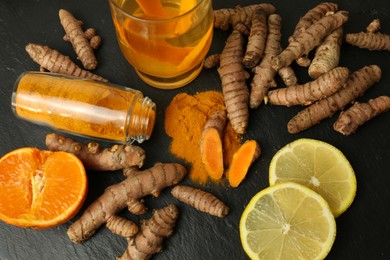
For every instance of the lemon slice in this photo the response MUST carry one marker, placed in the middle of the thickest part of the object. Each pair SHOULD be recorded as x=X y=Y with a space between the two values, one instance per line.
x=318 y=166
x=287 y=221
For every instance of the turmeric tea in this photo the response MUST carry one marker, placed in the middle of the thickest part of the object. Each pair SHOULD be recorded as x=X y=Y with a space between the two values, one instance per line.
x=84 y=107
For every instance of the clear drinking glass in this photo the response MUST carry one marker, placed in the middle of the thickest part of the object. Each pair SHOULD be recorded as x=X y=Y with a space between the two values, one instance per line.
x=165 y=41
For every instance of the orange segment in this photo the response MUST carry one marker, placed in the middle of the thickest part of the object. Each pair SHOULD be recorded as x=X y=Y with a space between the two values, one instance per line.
x=40 y=189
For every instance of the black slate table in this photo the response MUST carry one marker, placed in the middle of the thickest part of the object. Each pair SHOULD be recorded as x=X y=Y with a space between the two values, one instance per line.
x=362 y=231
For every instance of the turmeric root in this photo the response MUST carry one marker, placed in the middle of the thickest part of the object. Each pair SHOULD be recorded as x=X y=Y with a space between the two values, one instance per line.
x=211 y=150
x=305 y=94
x=327 y=55
x=374 y=26
x=239 y=18
x=78 y=40
x=128 y=193
x=288 y=76
x=256 y=39
x=357 y=84
x=234 y=89
x=121 y=226
x=311 y=17
x=263 y=78
x=153 y=231
x=360 y=113
x=54 y=61
x=309 y=39
x=96 y=158
x=200 y=200
x=91 y=35
x=212 y=61
x=242 y=160
x=371 y=41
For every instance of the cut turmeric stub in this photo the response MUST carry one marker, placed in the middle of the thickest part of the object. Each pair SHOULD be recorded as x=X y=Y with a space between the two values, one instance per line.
x=211 y=144
x=242 y=160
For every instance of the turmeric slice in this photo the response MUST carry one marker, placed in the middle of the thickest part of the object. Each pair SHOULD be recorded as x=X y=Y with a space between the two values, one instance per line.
x=357 y=84
x=305 y=94
x=234 y=89
x=309 y=39
x=152 y=8
x=211 y=144
x=349 y=120
x=242 y=160
x=200 y=200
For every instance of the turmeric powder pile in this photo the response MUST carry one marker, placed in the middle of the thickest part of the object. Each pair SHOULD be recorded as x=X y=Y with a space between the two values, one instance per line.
x=184 y=121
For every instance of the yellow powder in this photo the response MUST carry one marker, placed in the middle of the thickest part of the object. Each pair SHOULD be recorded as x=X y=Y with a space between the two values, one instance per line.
x=184 y=120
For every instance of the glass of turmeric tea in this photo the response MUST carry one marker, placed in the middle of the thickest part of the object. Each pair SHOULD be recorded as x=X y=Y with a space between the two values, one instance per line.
x=164 y=40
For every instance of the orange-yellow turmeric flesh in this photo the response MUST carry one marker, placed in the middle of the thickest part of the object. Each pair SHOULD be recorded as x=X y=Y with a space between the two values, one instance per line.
x=242 y=160
x=212 y=153
x=152 y=8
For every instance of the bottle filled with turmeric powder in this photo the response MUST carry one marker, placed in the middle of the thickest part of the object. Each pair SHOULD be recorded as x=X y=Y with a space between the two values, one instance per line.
x=84 y=107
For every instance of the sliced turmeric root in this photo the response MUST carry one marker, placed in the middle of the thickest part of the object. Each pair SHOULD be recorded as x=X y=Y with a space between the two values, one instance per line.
x=152 y=8
x=242 y=160
x=211 y=144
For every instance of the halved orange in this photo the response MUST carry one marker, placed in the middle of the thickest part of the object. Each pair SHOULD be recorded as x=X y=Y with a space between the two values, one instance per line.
x=39 y=188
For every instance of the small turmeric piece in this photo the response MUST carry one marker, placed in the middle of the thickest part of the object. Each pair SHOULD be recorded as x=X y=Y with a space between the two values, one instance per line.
x=211 y=61
x=56 y=62
x=311 y=17
x=200 y=200
x=242 y=160
x=96 y=158
x=349 y=120
x=327 y=55
x=234 y=89
x=77 y=38
x=257 y=38
x=263 y=78
x=121 y=226
x=153 y=231
x=91 y=35
x=374 y=26
x=358 y=83
x=309 y=39
x=128 y=193
x=211 y=149
x=307 y=93
x=288 y=76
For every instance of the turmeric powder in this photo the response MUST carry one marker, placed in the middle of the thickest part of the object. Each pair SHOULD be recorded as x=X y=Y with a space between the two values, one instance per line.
x=84 y=107
x=185 y=118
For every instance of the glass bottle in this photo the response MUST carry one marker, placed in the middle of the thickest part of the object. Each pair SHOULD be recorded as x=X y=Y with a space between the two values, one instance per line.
x=84 y=107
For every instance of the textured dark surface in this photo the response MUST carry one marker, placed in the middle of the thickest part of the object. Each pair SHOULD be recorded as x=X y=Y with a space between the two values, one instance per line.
x=362 y=231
